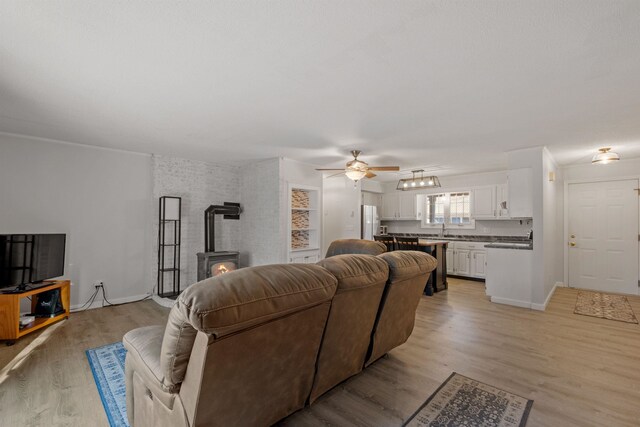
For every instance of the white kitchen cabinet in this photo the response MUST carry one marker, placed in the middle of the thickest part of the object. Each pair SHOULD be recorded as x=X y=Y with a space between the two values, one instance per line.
x=467 y=259
x=462 y=265
x=478 y=263
x=484 y=202
x=389 y=206
x=520 y=188
x=502 y=201
x=401 y=206
x=450 y=258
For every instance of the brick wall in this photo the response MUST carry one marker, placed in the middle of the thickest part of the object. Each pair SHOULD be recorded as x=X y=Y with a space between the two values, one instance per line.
x=200 y=185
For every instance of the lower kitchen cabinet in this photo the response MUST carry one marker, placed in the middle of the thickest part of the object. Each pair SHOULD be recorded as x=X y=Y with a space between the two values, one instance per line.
x=462 y=264
x=467 y=259
x=478 y=263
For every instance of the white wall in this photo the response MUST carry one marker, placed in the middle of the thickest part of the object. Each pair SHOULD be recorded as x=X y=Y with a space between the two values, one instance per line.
x=553 y=223
x=261 y=238
x=458 y=182
x=265 y=196
x=100 y=198
x=199 y=185
x=341 y=210
x=621 y=169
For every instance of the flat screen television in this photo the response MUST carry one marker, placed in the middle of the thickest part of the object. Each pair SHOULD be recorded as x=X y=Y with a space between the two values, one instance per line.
x=27 y=259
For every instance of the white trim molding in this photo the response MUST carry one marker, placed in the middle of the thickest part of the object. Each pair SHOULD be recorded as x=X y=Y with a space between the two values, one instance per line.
x=543 y=307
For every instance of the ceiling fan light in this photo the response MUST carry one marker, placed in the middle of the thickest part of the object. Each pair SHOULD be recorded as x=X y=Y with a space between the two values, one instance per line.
x=604 y=156
x=355 y=174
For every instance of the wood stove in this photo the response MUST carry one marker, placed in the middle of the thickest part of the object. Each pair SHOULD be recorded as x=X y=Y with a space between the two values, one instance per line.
x=213 y=263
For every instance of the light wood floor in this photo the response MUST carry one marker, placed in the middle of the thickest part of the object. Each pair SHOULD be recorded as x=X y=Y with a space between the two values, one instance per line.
x=580 y=371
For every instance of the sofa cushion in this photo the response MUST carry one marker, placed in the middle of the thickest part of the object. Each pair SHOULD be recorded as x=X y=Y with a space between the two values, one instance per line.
x=356 y=271
x=407 y=264
x=243 y=298
x=355 y=246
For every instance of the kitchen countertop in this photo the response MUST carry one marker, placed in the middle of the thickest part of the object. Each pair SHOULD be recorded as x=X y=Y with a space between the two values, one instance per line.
x=505 y=245
x=462 y=238
x=428 y=242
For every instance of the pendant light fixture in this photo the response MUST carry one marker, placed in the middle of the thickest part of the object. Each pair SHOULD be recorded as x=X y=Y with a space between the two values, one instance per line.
x=604 y=156
x=418 y=182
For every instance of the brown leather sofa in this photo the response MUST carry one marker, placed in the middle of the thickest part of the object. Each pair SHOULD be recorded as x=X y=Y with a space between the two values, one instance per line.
x=253 y=346
x=355 y=246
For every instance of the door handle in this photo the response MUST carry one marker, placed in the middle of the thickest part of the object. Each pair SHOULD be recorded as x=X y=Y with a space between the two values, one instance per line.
x=572 y=244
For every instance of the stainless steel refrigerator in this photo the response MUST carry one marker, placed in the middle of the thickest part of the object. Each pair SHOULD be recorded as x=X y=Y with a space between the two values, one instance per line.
x=369 y=222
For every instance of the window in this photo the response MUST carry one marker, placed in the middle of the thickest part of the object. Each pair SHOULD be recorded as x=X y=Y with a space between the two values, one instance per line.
x=435 y=209
x=460 y=208
x=453 y=210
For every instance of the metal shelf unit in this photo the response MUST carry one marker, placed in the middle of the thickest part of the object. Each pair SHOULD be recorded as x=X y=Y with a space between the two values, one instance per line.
x=169 y=218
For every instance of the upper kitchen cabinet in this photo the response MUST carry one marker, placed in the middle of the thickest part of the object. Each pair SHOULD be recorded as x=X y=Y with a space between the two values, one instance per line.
x=520 y=188
x=502 y=200
x=491 y=202
x=401 y=206
x=484 y=202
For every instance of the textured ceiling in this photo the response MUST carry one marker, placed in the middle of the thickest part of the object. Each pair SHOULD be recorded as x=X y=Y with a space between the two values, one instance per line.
x=446 y=85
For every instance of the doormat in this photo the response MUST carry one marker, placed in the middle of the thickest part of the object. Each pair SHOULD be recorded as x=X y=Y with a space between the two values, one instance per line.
x=107 y=365
x=605 y=306
x=462 y=401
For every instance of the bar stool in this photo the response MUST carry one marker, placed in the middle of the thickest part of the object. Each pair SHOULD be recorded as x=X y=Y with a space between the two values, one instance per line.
x=389 y=242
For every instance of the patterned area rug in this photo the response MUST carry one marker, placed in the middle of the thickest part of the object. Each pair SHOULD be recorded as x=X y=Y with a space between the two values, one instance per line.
x=605 y=306
x=107 y=365
x=462 y=401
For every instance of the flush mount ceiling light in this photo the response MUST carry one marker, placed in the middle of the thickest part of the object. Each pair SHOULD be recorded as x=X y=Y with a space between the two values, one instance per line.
x=418 y=182
x=604 y=156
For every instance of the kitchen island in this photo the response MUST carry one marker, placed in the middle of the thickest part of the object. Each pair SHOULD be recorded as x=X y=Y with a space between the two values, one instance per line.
x=438 y=249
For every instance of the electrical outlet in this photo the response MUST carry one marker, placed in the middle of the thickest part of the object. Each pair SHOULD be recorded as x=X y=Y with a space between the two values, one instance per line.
x=98 y=284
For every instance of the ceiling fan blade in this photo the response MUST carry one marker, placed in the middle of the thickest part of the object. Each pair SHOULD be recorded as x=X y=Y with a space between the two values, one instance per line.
x=370 y=174
x=330 y=170
x=384 y=168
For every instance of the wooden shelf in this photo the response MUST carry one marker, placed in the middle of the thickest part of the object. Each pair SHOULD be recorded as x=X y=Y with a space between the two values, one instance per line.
x=10 y=310
x=41 y=322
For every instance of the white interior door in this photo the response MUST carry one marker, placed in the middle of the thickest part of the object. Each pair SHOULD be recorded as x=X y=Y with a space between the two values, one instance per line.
x=603 y=236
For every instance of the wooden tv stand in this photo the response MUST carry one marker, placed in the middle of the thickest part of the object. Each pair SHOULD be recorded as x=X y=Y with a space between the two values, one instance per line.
x=10 y=310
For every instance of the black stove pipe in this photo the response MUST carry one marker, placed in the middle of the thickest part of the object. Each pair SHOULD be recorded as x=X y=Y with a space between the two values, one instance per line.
x=229 y=210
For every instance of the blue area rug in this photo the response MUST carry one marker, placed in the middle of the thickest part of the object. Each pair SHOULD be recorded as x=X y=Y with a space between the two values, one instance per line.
x=107 y=365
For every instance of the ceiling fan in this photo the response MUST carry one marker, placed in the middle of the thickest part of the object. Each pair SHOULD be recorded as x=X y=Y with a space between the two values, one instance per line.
x=357 y=169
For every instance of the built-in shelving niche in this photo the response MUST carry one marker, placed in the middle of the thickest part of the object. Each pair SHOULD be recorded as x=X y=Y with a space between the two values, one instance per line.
x=304 y=219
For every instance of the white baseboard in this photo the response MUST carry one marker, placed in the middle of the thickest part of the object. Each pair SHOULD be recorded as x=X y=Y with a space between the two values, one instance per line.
x=543 y=307
x=98 y=303
x=514 y=302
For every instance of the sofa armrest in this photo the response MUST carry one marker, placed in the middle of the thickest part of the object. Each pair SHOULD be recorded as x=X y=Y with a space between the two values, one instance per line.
x=143 y=356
